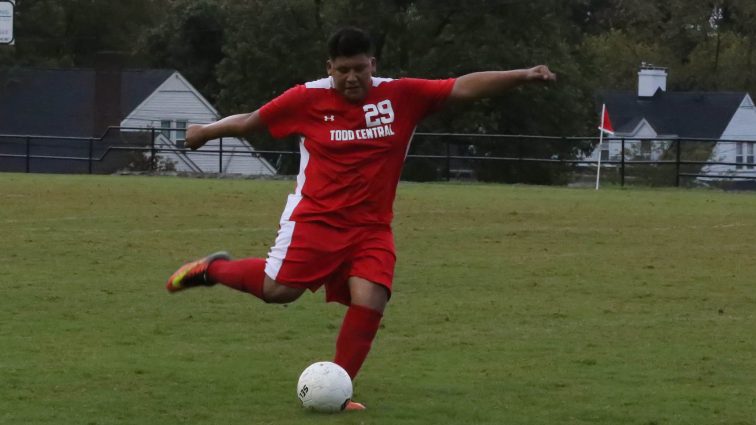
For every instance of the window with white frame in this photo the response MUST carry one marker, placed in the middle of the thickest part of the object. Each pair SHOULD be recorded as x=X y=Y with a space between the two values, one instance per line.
x=174 y=131
x=744 y=155
x=605 y=152
x=180 y=133
x=165 y=128
x=749 y=156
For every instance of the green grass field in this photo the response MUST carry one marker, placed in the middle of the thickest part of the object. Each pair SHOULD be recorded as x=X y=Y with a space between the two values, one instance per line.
x=512 y=305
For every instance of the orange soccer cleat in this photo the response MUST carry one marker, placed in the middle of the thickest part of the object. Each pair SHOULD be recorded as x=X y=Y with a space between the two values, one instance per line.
x=194 y=274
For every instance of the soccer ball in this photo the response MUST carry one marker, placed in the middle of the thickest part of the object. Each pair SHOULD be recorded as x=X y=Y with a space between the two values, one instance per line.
x=324 y=387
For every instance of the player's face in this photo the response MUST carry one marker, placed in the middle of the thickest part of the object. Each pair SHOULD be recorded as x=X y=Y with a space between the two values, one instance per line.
x=351 y=75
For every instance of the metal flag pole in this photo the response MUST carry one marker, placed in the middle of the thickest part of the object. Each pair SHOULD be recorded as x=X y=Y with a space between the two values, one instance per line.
x=601 y=141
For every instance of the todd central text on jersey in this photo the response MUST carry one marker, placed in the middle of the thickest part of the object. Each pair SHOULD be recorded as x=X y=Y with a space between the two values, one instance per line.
x=362 y=134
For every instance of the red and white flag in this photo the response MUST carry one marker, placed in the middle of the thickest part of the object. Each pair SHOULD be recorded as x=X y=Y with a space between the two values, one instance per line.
x=606 y=123
x=605 y=127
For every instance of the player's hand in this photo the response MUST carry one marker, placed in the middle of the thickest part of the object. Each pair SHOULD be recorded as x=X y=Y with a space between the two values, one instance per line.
x=540 y=73
x=194 y=138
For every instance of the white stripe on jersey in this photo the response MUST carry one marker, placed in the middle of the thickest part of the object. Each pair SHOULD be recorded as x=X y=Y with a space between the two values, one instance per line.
x=327 y=83
x=412 y=136
x=323 y=83
x=304 y=158
x=377 y=81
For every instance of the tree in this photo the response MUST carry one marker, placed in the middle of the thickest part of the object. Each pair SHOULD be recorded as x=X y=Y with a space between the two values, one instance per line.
x=241 y=53
x=38 y=28
x=190 y=39
x=72 y=32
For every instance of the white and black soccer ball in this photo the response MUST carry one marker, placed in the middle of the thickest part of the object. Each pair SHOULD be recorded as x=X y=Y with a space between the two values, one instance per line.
x=324 y=387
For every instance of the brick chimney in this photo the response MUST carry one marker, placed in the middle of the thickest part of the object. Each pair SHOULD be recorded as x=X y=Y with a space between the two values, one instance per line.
x=107 y=93
x=650 y=79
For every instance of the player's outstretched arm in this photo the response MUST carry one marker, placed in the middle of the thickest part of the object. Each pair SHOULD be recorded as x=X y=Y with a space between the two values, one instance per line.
x=240 y=125
x=480 y=85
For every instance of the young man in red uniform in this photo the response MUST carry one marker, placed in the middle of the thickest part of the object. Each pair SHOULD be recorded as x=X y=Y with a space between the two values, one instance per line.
x=335 y=231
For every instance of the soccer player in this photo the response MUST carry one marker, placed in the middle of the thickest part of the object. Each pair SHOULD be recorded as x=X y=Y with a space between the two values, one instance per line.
x=335 y=231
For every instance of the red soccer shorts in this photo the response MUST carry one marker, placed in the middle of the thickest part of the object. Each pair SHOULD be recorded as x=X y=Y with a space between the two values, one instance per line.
x=311 y=254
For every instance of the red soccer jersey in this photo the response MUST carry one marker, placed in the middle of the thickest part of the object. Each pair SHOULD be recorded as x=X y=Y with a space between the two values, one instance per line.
x=352 y=153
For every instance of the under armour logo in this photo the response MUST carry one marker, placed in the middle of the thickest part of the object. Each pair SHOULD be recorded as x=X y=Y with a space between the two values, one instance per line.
x=327 y=118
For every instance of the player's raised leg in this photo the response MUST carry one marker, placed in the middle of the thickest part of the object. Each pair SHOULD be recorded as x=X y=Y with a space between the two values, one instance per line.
x=246 y=275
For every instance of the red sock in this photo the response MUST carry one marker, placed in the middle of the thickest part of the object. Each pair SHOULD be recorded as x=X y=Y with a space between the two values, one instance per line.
x=355 y=338
x=246 y=275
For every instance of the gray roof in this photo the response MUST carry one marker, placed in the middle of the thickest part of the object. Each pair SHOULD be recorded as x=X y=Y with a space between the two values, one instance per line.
x=682 y=114
x=61 y=102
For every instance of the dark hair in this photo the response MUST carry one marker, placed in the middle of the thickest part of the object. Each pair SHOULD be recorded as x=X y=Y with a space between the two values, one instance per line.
x=349 y=41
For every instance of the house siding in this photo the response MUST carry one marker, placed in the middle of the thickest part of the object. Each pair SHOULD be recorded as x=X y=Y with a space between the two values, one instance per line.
x=173 y=100
x=742 y=126
x=176 y=100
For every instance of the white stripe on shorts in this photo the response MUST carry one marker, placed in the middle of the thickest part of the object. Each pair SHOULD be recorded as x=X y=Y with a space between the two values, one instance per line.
x=278 y=251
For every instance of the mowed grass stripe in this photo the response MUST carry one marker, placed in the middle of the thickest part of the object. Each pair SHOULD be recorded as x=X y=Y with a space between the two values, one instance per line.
x=512 y=304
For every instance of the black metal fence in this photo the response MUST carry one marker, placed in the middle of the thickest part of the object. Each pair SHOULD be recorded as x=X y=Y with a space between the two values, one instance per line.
x=432 y=157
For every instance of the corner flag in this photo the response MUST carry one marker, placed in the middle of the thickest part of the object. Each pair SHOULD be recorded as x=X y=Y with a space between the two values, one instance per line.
x=606 y=123
x=605 y=127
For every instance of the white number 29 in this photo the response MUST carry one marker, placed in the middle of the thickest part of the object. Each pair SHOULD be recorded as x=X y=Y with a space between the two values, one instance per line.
x=382 y=113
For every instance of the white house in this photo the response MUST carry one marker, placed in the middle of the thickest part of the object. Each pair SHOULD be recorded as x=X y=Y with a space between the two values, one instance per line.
x=81 y=104
x=174 y=105
x=652 y=119
x=737 y=145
